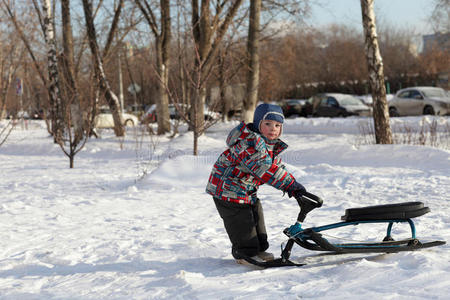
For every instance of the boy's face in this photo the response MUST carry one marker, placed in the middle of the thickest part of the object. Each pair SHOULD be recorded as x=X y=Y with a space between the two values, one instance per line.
x=270 y=129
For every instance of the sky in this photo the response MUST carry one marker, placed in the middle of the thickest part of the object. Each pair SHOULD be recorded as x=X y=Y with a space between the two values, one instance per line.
x=400 y=14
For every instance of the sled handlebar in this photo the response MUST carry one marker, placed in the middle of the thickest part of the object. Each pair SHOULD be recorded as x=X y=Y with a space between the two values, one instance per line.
x=307 y=203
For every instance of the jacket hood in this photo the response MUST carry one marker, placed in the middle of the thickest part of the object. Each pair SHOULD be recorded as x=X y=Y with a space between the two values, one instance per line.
x=247 y=132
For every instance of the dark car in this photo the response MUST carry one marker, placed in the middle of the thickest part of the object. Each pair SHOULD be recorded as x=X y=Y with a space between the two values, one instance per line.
x=293 y=107
x=335 y=105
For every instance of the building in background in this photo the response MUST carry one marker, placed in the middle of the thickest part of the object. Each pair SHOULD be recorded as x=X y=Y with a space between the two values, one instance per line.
x=438 y=40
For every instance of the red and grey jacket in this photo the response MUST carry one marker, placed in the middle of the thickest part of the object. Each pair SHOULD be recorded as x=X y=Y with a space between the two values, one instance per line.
x=249 y=162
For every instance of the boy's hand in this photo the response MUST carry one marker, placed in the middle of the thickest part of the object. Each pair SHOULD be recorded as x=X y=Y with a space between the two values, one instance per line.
x=297 y=190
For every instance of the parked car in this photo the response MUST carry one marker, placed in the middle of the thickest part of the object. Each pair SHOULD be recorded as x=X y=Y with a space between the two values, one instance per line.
x=136 y=109
x=38 y=114
x=151 y=117
x=293 y=107
x=105 y=119
x=335 y=105
x=418 y=100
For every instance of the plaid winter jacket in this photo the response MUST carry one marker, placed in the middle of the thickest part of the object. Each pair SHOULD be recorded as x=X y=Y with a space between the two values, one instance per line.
x=247 y=163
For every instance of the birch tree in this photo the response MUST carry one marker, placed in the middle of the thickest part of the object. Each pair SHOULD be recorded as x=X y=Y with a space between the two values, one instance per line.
x=383 y=133
x=53 y=75
x=60 y=82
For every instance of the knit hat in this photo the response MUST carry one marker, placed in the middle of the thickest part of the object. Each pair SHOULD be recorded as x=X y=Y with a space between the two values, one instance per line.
x=267 y=111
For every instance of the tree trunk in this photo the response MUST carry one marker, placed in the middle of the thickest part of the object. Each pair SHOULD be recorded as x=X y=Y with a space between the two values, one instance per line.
x=54 y=90
x=105 y=88
x=383 y=134
x=222 y=86
x=162 y=103
x=163 y=62
x=6 y=81
x=253 y=61
x=162 y=45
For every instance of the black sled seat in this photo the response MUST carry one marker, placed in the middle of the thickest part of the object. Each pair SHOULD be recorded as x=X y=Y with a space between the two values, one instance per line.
x=398 y=211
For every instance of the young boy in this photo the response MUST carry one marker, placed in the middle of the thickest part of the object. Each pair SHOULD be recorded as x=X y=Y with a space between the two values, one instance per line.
x=250 y=161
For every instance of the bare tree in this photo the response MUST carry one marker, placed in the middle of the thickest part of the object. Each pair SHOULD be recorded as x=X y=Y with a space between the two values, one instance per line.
x=230 y=62
x=105 y=88
x=162 y=34
x=73 y=128
x=8 y=66
x=272 y=7
x=52 y=88
x=78 y=127
x=383 y=133
x=11 y=55
x=440 y=16
x=208 y=32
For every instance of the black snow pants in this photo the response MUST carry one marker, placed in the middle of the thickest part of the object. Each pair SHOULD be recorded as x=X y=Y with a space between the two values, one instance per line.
x=245 y=227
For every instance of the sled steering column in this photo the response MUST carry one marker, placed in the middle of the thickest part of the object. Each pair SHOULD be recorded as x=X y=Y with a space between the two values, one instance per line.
x=307 y=203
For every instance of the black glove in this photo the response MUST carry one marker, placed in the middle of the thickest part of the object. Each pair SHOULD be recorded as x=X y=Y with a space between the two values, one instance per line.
x=297 y=190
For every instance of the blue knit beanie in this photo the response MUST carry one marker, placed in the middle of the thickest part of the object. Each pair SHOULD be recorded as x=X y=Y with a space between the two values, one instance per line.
x=267 y=111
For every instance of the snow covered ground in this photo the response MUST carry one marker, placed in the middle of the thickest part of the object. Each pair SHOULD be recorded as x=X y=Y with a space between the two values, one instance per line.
x=132 y=220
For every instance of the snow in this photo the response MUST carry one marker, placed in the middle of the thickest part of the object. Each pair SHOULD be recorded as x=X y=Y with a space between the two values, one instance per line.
x=132 y=220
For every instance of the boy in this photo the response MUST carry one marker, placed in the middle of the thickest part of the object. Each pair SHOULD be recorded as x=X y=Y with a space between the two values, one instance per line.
x=250 y=161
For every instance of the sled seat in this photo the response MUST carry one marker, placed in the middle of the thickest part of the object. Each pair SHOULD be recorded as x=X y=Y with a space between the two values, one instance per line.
x=398 y=211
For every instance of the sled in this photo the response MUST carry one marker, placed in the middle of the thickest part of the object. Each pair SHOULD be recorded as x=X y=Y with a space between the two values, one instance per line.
x=313 y=239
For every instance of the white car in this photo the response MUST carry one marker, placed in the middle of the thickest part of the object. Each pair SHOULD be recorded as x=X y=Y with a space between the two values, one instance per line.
x=418 y=100
x=105 y=119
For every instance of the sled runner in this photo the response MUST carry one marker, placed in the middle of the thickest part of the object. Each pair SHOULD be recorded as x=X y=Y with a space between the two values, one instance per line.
x=312 y=239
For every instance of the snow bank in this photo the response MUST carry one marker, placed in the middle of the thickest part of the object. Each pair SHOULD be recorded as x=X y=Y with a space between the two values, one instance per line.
x=102 y=231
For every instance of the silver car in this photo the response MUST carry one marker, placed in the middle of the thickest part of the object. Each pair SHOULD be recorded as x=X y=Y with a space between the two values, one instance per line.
x=415 y=101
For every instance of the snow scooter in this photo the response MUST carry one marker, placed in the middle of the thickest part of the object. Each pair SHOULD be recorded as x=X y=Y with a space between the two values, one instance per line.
x=310 y=238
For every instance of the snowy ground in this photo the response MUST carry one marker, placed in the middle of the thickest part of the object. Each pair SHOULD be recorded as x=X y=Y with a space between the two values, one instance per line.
x=104 y=230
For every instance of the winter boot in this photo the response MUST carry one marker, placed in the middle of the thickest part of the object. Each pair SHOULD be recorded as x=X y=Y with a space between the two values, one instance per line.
x=265 y=256
x=242 y=261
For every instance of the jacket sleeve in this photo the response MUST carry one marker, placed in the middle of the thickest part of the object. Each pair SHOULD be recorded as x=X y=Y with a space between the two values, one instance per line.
x=258 y=163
